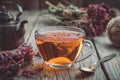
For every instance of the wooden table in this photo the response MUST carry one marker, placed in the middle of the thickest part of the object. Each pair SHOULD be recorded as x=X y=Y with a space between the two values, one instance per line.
x=106 y=71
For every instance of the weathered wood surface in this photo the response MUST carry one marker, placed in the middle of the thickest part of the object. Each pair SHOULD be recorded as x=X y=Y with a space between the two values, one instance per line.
x=105 y=47
x=31 y=17
x=106 y=71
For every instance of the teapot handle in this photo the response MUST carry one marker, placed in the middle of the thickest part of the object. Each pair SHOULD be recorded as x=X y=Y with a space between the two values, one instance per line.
x=20 y=10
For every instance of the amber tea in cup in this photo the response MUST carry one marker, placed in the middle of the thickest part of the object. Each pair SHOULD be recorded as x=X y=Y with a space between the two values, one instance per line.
x=59 y=46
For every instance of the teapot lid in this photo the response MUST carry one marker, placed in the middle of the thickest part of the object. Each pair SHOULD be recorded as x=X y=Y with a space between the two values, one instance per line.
x=5 y=15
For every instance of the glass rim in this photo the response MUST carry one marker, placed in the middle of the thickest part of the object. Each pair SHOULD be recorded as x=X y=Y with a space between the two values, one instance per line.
x=58 y=28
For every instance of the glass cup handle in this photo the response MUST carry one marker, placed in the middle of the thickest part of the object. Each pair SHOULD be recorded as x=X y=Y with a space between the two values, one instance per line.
x=90 y=44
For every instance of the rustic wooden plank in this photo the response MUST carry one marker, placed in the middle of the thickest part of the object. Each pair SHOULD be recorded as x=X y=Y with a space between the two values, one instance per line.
x=31 y=17
x=104 y=48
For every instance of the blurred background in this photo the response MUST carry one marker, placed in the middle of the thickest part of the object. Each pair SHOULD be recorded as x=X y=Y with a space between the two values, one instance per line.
x=40 y=4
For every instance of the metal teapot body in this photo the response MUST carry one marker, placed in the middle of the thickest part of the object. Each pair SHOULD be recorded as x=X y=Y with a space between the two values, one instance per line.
x=11 y=36
x=11 y=29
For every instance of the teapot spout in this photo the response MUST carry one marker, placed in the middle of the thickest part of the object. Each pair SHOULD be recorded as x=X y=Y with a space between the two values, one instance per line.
x=22 y=23
x=21 y=30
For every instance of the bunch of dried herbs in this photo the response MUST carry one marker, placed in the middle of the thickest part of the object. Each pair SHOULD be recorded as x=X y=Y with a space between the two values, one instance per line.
x=93 y=19
x=12 y=61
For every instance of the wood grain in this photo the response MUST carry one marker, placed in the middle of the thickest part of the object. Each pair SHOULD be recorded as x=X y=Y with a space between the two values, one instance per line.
x=31 y=17
x=105 y=47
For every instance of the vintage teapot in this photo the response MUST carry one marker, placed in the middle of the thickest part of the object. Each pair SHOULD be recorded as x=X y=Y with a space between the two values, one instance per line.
x=11 y=28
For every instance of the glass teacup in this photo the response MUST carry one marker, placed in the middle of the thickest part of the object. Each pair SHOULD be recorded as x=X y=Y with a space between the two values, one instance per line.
x=60 y=46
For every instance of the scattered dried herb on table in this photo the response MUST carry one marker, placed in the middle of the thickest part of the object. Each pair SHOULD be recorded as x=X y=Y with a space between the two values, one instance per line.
x=12 y=61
